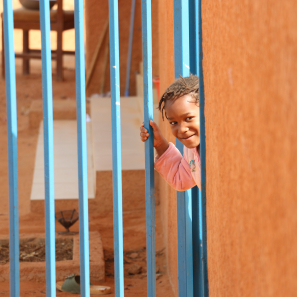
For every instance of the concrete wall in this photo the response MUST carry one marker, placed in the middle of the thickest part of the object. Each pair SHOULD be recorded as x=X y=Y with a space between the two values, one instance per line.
x=96 y=15
x=250 y=73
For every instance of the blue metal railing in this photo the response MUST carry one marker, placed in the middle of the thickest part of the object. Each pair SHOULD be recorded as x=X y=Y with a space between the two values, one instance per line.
x=191 y=217
x=12 y=148
x=82 y=148
x=202 y=195
x=47 y=95
x=149 y=146
x=116 y=147
x=198 y=278
x=130 y=48
x=184 y=199
x=191 y=205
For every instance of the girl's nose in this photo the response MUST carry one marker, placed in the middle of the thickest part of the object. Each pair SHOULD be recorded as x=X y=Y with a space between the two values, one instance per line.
x=183 y=129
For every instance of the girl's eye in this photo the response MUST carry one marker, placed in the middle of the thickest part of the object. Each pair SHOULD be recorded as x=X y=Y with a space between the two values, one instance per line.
x=189 y=118
x=172 y=123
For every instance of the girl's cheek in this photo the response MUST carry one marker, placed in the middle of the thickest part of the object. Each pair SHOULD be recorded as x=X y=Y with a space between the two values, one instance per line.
x=173 y=130
x=198 y=125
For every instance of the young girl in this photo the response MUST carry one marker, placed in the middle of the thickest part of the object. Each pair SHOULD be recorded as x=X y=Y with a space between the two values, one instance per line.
x=180 y=104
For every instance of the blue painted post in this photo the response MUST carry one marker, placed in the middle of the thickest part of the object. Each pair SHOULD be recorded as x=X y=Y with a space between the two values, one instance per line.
x=181 y=241
x=12 y=132
x=202 y=196
x=149 y=146
x=184 y=199
x=47 y=95
x=116 y=147
x=130 y=48
x=196 y=244
x=189 y=242
x=194 y=68
x=194 y=36
x=82 y=148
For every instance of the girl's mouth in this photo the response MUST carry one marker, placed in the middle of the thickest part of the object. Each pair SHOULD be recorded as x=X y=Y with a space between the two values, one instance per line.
x=189 y=137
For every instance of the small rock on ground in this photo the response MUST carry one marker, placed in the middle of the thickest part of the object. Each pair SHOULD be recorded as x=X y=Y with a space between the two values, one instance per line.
x=133 y=255
x=134 y=269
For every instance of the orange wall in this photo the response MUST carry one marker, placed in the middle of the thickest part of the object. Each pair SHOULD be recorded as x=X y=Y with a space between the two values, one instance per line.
x=96 y=14
x=250 y=75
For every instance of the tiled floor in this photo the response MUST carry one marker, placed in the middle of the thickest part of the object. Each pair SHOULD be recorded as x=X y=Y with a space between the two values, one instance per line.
x=65 y=162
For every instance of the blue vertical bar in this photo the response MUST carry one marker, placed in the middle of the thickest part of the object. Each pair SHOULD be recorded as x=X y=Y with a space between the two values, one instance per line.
x=197 y=268
x=116 y=147
x=47 y=95
x=189 y=240
x=149 y=146
x=12 y=132
x=130 y=48
x=202 y=196
x=194 y=37
x=82 y=148
x=184 y=199
x=194 y=68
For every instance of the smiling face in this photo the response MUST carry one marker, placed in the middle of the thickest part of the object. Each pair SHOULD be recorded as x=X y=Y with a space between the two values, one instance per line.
x=183 y=115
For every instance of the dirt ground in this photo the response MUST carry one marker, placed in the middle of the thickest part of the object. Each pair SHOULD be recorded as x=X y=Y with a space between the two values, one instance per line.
x=30 y=88
x=33 y=250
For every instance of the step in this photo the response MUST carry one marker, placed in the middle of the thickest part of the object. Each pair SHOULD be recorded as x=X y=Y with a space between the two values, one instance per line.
x=63 y=109
x=133 y=161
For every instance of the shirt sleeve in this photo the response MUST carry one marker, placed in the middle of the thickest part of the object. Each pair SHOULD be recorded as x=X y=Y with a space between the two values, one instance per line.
x=175 y=169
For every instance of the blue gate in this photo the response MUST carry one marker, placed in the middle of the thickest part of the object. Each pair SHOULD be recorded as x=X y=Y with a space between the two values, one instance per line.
x=191 y=215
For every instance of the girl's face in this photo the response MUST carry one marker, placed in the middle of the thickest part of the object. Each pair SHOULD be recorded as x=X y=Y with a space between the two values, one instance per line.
x=183 y=115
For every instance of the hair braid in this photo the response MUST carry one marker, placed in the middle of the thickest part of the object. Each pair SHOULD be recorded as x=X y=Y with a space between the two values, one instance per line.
x=180 y=87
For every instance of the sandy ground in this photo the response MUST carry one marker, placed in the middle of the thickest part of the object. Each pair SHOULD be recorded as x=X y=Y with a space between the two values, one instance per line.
x=30 y=88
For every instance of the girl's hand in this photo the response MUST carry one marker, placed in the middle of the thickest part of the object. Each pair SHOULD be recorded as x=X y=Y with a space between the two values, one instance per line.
x=160 y=143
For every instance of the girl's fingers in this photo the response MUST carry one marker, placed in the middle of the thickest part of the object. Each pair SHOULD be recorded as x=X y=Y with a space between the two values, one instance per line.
x=143 y=130
x=143 y=133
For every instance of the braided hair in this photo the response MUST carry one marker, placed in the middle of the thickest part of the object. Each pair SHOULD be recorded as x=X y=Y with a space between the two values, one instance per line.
x=180 y=87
